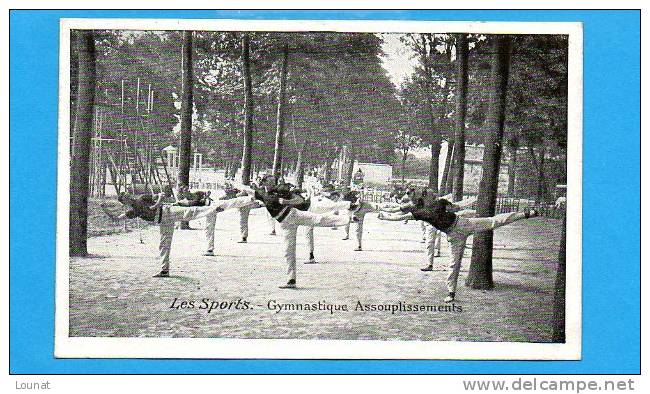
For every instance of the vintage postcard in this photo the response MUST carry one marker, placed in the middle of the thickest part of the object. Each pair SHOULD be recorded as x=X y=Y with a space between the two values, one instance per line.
x=319 y=189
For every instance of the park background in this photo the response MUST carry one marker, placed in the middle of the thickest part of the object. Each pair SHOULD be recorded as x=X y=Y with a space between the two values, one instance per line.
x=624 y=309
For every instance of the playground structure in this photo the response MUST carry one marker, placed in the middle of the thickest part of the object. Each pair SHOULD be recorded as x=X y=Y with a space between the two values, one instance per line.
x=124 y=152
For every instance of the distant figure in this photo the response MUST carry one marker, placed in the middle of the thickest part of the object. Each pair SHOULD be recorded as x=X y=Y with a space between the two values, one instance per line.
x=358 y=177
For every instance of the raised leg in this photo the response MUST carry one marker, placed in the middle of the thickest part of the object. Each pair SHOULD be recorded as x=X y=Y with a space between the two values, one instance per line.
x=472 y=225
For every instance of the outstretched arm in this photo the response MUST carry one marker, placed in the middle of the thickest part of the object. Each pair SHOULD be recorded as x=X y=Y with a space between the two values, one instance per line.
x=245 y=188
x=390 y=208
x=395 y=208
x=395 y=217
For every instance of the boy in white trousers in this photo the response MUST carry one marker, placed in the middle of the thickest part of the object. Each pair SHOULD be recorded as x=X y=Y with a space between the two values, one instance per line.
x=440 y=213
x=166 y=216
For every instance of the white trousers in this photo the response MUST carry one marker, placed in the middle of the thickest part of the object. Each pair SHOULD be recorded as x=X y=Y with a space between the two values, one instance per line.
x=360 y=215
x=222 y=205
x=244 y=214
x=172 y=214
x=432 y=239
x=322 y=205
x=466 y=226
x=289 y=229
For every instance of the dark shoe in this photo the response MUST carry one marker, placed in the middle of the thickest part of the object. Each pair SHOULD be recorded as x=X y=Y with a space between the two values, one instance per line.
x=427 y=268
x=291 y=284
x=209 y=253
x=311 y=260
x=273 y=232
x=450 y=297
x=243 y=241
x=162 y=274
x=358 y=249
x=346 y=238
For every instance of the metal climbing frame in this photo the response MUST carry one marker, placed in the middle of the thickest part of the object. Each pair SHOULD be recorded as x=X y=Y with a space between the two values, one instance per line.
x=123 y=149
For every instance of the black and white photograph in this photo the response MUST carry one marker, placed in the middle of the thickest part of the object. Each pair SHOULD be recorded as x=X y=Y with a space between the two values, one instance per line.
x=319 y=189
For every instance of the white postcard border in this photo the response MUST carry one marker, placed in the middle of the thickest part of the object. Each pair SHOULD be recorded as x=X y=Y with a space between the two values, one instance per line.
x=226 y=348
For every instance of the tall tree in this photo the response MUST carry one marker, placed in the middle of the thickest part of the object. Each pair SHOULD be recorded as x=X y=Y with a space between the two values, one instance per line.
x=461 y=110
x=447 y=169
x=350 y=166
x=404 y=142
x=185 y=149
x=480 y=270
x=559 y=296
x=300 y=166
x=80 y=160
x=281 y=115
x=248 y=112
x=187 y=107
x=428 y=52
x=512 y=166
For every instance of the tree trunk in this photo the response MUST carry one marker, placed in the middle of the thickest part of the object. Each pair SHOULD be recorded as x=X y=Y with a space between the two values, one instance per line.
x=185 y=149
x=248 y=112
x=539 y=166
x=449 y=188
x=559 y=297
x=300 y=167
x=512 y=170
x=80 y=160
x=480 y=270
x=74 y=80
x=279 y=133
x=461 y=111
x=445 y=172
x=541 y=178
x=347 y=181
x=434 y=165
x=404 y=157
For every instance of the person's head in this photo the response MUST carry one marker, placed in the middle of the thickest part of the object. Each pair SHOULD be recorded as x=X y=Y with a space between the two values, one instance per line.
x=269 y=180
x=429 y=198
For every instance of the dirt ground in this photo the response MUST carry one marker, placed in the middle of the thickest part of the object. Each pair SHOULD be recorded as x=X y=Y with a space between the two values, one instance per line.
x=113 y=293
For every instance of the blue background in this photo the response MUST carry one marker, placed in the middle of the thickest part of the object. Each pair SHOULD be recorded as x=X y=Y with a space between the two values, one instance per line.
x=611 y=199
